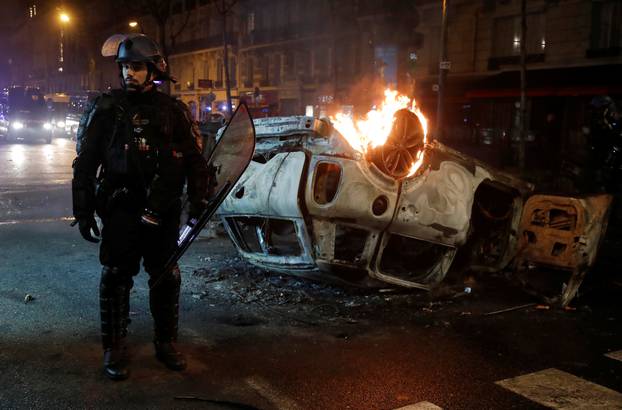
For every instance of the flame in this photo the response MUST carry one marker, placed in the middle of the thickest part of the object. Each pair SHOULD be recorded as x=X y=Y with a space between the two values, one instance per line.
x=374 y=128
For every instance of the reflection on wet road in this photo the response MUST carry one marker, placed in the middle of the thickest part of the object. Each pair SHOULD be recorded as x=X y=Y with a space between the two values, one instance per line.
x=35 y=180
x=36 y=164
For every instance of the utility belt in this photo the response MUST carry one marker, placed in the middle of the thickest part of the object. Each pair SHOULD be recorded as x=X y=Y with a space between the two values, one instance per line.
x=111 y=197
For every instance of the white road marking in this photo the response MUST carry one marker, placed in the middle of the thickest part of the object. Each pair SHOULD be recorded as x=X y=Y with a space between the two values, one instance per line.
x=23 y=221
x=422 y=405
x=560 y=390
x=615 y=355
x=265 y=390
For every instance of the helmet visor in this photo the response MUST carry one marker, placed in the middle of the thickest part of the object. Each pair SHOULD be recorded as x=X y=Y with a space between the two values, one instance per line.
x=111 y=45
x=131 y=47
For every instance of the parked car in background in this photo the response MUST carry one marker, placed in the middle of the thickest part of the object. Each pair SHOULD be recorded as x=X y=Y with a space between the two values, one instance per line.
x=58 y=107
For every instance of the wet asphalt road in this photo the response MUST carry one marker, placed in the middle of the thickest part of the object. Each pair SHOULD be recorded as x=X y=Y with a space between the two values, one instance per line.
x=254 y=355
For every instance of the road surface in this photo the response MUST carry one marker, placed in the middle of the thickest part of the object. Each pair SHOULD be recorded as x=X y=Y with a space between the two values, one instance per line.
x=256 y=339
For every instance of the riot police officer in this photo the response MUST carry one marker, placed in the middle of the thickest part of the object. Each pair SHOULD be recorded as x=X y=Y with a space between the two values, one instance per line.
x=137 y=147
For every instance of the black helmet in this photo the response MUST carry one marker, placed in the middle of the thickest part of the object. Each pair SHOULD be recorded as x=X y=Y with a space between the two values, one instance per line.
x=127 y=48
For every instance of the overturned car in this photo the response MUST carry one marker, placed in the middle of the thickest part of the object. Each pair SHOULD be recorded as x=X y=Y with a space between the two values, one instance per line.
x=404 y=212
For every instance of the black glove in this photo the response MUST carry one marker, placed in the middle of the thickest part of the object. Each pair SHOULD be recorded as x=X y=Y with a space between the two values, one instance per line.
x=85 y=225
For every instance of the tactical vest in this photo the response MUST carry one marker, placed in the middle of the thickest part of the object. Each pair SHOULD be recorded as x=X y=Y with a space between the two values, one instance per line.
x=140 y=164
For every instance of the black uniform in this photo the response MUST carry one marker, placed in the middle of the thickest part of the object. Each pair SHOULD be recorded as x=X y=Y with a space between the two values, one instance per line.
x=135 y=153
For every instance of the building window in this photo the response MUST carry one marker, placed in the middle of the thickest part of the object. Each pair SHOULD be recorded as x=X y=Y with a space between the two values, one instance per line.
x=275 y=70
x=265 y=70
x=385 y=62
x=32 y=10
x=606 y=20
x=289 y=65
x=507 y=35
x=321 y=63
x=433 y=49
x=281 y=16
x=303 y=66
x=250 y=22
x=233 y=72
x=250 y=72
x=206 y=69
x=219 y=71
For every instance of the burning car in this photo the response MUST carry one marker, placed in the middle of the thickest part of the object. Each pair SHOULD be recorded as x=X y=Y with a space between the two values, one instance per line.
x=374 y=202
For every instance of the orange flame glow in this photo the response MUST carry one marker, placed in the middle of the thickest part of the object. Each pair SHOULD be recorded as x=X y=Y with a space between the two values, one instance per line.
x=374 y=128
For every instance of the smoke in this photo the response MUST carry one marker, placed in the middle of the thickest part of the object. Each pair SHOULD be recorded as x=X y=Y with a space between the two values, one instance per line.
x=365 y=94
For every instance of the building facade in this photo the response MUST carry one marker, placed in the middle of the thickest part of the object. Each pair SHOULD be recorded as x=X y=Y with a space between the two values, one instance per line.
x=573 y=54
x=286 y=55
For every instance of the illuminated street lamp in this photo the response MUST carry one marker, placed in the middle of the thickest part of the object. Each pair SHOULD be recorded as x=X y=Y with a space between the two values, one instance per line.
x=133 y=24
x=64 y=19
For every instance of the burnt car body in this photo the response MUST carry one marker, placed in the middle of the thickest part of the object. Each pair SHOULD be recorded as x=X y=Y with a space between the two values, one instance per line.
x=311 y=205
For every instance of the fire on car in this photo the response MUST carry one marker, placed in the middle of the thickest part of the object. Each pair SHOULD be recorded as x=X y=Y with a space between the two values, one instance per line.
x=372 y=201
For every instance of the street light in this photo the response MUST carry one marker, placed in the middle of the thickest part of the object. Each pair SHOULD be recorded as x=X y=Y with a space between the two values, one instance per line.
x=64 y=20
x=133 y=24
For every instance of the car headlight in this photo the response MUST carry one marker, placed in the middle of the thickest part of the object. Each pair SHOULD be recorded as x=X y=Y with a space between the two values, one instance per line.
x=60 y=124
x=17 y=125
x=47 y=126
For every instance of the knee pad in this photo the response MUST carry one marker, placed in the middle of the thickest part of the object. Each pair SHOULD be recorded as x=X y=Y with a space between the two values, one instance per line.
x=113 y=277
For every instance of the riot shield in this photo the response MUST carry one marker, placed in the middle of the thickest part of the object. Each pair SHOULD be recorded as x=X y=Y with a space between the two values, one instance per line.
x=232 y=154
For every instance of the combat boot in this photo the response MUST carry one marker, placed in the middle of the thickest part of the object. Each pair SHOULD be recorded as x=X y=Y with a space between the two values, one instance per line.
x=112 y=300
x=164 y=304
x=169 y=355
x=116 y=363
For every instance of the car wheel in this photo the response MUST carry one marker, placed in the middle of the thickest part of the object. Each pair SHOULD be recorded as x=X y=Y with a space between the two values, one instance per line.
x=405 y=141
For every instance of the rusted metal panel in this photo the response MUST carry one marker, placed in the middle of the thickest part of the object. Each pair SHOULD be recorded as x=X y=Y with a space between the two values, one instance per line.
x=564 y=233
x=561 y=231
